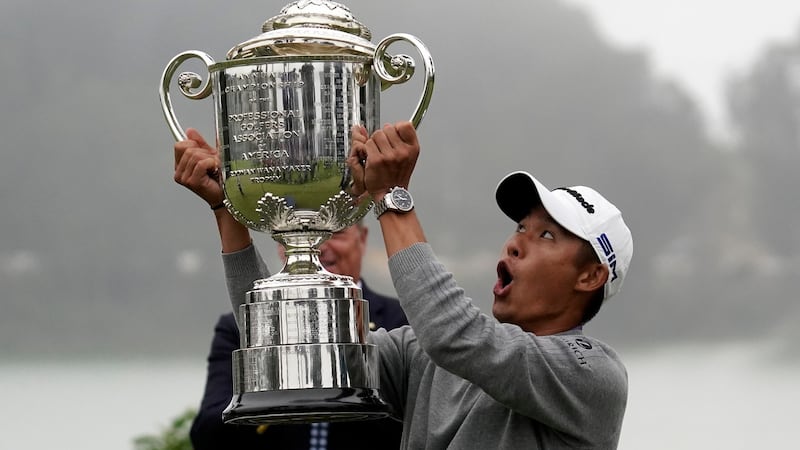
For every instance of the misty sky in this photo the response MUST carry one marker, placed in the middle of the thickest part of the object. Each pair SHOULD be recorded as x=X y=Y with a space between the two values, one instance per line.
x=701 y=43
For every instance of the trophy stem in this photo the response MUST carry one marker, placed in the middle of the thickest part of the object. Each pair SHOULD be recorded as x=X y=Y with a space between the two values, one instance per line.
x=302 y=251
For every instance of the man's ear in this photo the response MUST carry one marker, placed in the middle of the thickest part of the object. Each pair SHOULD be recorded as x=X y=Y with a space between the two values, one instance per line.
x=593 y=277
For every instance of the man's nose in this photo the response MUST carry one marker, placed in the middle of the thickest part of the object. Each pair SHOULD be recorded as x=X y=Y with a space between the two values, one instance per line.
x=512 y=249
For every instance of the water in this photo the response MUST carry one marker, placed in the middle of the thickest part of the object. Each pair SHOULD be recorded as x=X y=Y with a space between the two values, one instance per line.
x=720 y=397
x=732 y=397
x=93 y=405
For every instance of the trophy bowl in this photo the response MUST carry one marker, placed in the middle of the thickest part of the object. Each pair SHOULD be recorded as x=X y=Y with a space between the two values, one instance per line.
x=285 y=103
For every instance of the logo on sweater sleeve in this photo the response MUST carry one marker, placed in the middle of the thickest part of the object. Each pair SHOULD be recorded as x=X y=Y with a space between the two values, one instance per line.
x=577 y=346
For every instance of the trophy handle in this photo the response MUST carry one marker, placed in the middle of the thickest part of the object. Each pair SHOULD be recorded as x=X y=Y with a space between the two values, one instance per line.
x=401 y=68
x=187 y=81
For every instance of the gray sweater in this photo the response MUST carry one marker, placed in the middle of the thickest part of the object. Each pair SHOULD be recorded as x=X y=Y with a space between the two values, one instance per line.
x=459 y=379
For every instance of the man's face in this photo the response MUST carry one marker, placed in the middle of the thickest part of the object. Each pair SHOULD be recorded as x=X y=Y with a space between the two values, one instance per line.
x=537 y=273
x=342 y=253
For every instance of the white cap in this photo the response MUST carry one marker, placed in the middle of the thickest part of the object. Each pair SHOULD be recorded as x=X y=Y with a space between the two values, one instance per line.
x=579 y=209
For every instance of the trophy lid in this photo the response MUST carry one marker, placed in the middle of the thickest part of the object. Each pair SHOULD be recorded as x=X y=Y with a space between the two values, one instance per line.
x=308 y=27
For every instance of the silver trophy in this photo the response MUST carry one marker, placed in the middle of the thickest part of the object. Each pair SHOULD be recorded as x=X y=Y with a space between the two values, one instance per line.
x=285 y=103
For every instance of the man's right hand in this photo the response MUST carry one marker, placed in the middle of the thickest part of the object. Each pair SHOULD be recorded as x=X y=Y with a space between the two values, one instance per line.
x=197 y=167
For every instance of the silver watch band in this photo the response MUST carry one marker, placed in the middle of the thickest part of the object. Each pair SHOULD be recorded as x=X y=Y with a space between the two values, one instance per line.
x=381 y=206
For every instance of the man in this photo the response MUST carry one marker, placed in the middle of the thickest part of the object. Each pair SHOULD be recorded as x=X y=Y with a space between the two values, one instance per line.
x=341 y=254
x=527 y=378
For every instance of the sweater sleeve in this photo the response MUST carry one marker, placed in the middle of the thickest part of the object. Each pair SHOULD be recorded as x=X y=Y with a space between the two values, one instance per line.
x=569 y=382
x=242 y=268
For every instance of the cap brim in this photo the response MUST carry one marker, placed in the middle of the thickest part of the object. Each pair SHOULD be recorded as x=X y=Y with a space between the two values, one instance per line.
x=518 y=193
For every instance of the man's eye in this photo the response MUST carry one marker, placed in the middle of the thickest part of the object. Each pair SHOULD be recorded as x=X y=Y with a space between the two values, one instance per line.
x=520 y=228
x=547 y=235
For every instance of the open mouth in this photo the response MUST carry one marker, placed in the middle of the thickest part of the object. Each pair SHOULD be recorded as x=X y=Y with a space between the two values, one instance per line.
x=504 y=278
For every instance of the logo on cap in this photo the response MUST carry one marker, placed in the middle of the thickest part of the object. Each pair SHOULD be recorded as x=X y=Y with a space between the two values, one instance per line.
x=611 y=257
x=588 y=206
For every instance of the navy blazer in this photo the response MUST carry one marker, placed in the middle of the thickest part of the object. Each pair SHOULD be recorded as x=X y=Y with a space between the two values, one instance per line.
x=210 y=433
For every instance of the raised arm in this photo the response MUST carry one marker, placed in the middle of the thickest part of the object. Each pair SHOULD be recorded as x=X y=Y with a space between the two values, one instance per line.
x=197 y=168
x=381 y=162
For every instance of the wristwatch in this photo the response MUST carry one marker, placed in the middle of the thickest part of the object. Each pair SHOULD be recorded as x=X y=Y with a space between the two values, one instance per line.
x=398 y=199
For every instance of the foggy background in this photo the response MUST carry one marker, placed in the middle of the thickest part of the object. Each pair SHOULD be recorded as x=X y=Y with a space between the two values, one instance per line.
x=104 y=259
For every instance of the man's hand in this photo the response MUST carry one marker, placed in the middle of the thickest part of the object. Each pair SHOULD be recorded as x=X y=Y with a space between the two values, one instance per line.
x=197 y=167
x=388 y=157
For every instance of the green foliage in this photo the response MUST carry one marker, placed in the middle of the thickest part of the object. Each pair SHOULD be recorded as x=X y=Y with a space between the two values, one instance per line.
x=174 y=437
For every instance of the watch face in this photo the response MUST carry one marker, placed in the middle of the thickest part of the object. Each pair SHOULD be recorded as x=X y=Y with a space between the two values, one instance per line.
x=402 y=199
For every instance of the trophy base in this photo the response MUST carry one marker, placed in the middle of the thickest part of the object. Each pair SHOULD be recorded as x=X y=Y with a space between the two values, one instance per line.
x=305 y=405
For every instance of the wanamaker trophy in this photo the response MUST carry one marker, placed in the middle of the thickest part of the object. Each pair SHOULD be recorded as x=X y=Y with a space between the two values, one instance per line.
x=285 y=103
